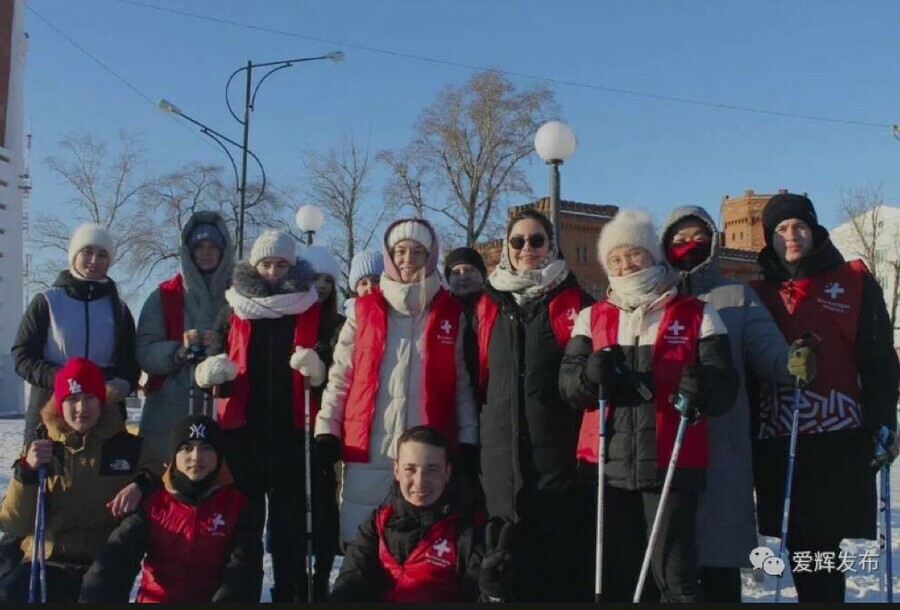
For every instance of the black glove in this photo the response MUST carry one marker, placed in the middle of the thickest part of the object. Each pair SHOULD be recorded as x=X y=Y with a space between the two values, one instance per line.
x=885 y=454
x=495 y=580
x=328 y=447
x=467 y=459
x=692 y=391
x=606 y=367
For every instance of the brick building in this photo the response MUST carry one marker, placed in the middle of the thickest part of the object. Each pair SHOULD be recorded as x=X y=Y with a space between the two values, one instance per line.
x=742 y=233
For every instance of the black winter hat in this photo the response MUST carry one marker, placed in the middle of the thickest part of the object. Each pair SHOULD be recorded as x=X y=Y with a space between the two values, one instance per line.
x=784 y=206
x=206 y=230
x=464 y=255
x=197 y=428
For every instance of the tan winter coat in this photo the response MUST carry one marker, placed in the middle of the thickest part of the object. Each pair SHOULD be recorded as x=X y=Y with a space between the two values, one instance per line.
x=398 y=403
x=85 y=473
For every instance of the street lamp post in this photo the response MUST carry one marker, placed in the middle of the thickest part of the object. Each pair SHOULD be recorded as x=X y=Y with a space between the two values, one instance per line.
x=310 y=219
x=249 y=101
x=554 y=143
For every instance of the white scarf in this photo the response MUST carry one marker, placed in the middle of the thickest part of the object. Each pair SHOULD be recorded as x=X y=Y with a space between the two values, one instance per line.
x=275 y=306
x=413 y=298
x=641 y=288
x=528 y=284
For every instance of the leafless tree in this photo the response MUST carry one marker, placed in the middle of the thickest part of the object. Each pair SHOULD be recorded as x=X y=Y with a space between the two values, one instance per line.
x=464 y=158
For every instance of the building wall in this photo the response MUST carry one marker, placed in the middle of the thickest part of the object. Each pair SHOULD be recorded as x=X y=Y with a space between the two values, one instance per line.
x=741 y=223
x=12 y=52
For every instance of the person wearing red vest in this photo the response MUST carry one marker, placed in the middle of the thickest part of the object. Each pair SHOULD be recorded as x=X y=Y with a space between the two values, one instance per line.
x=398 y=363
x=528 y=433
x=273 y=342
x=421 y=545
x=646 y=343
x=180 y=314
x=189 y=540
x=809 y=288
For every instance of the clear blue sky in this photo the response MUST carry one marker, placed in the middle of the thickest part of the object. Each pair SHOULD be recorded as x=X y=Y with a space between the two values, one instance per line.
x=832 y=59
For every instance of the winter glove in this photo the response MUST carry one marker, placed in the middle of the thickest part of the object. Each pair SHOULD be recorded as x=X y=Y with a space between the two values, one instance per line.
x=116 y=390
x=495 y=580
x=801 y=362
x=468 y=458
x=606 y=367
x=307 y=361
x=691 y=392
x=885 y=447
x=214 y=371
x=329 y=448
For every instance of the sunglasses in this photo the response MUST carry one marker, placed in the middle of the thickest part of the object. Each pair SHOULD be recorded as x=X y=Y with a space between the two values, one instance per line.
x=536 y=241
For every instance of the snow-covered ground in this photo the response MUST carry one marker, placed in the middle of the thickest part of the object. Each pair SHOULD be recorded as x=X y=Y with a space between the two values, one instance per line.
x=862 y=586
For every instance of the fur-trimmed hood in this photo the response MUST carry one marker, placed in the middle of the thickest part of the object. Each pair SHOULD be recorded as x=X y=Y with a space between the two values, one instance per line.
x=247 y=281
x=109 y=424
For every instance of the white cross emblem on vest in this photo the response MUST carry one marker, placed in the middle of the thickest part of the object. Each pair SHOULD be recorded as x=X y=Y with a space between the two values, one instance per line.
x=217 y=522
x=440 y=547
x=675 y=328
x=197 y=432
x=446 y=326
x=572 y=315
x=74 y=387
x=833 y=290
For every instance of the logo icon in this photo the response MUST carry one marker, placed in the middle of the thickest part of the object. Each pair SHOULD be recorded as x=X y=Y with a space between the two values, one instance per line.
x=216 y=523
x=763 y=558
x=440 y=547
x=446 y=326
x=676 y=327
x=120 y=465
x=74 y=387
x=572 y=314
x=834 y=289
x=197 y=432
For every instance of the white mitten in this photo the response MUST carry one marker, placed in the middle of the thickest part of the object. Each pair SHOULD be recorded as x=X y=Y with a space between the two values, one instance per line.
x=215 y=370
x=309 y=364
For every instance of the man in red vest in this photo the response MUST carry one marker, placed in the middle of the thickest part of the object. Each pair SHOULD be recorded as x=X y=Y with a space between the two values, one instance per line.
x=420 y=546
x=810 y=289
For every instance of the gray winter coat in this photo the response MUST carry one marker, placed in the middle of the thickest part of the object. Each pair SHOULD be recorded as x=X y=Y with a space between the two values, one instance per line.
x=726 y=523
x=204 y=297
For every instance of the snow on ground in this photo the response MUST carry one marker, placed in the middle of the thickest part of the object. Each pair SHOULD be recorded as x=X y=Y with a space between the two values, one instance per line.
x=862 y=586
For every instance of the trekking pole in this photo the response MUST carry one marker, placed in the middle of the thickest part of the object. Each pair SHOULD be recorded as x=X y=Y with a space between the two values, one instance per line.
x=788 y=483
x=881 y=448
x=601 y=477
x=309 y=521
x=667 y=485
x=38 y=558
x=195 y=355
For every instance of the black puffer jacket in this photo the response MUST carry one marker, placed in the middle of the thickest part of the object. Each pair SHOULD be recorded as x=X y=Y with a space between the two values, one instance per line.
x=28 y=347
x=528 y=432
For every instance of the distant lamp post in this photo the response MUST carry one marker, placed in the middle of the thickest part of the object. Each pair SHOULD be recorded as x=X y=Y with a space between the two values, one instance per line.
x=310 y=219
x=250 y=92
x=554 y=143
x=895 y=129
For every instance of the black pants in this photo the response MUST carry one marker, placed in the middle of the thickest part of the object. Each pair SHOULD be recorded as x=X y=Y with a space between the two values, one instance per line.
x=673 y=563
x=816 y=586
x=721 y=585
x=63 y=584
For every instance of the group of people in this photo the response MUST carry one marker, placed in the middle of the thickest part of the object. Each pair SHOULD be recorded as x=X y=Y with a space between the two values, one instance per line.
x=453 y=418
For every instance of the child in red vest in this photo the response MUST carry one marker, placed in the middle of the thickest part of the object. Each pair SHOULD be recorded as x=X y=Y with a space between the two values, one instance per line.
x=192 y=534
x=419 y=546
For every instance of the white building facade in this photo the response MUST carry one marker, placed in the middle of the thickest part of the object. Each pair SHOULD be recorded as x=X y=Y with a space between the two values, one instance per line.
x=887 y=250
x=13 y=48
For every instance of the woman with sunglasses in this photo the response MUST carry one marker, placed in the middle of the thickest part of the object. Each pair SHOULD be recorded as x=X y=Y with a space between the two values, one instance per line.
x=528 y=434
x=645 y=344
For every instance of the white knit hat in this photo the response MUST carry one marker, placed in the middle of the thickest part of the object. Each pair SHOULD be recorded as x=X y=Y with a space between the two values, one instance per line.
x=273 y=244
x=322 y=260
x=91 y=234
x=365 y=264
x=410 y=229
x=628 y=228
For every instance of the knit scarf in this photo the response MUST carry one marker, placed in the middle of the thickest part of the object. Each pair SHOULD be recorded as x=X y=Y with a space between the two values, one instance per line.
x=526 y=285
x=641 y=288
x=275 y=306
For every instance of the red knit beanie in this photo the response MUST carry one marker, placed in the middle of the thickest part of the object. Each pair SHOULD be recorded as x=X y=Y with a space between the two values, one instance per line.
x=77 y=376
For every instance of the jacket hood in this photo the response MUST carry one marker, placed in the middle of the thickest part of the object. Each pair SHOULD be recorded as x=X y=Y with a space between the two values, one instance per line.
x=84 y=290
x=109 y=424
x=390 y=269
x=703 y=276
x=206 y=293
x=249 y=283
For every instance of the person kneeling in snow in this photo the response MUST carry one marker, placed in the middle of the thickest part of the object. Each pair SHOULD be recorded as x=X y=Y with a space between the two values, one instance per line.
x=96 y=474
x=418 y=546
x=192 y=534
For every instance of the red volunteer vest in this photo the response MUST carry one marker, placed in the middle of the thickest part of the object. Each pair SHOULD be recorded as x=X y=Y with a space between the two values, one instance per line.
x=429 y=573
x=675 y=347
x=439 y=383
x=188 y=546
x=171 y=295
x=231 y=411
x=563 y=311
x=828 y=305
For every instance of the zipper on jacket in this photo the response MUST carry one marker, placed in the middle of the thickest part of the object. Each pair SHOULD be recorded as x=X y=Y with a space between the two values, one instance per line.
x=87 y=322
x=634 y=416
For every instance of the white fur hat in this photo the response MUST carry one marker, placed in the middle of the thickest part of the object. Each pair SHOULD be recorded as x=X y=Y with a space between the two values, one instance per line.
x=322 y=260
x=410 y=229
x=628 y=228
x=91 y=234
x=273 y=243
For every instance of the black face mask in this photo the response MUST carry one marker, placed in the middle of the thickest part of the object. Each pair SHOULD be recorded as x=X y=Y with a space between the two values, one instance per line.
x=193 y=491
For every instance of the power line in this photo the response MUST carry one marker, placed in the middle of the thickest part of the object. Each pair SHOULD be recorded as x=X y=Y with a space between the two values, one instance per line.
x=568 y=83
x=105 y=67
